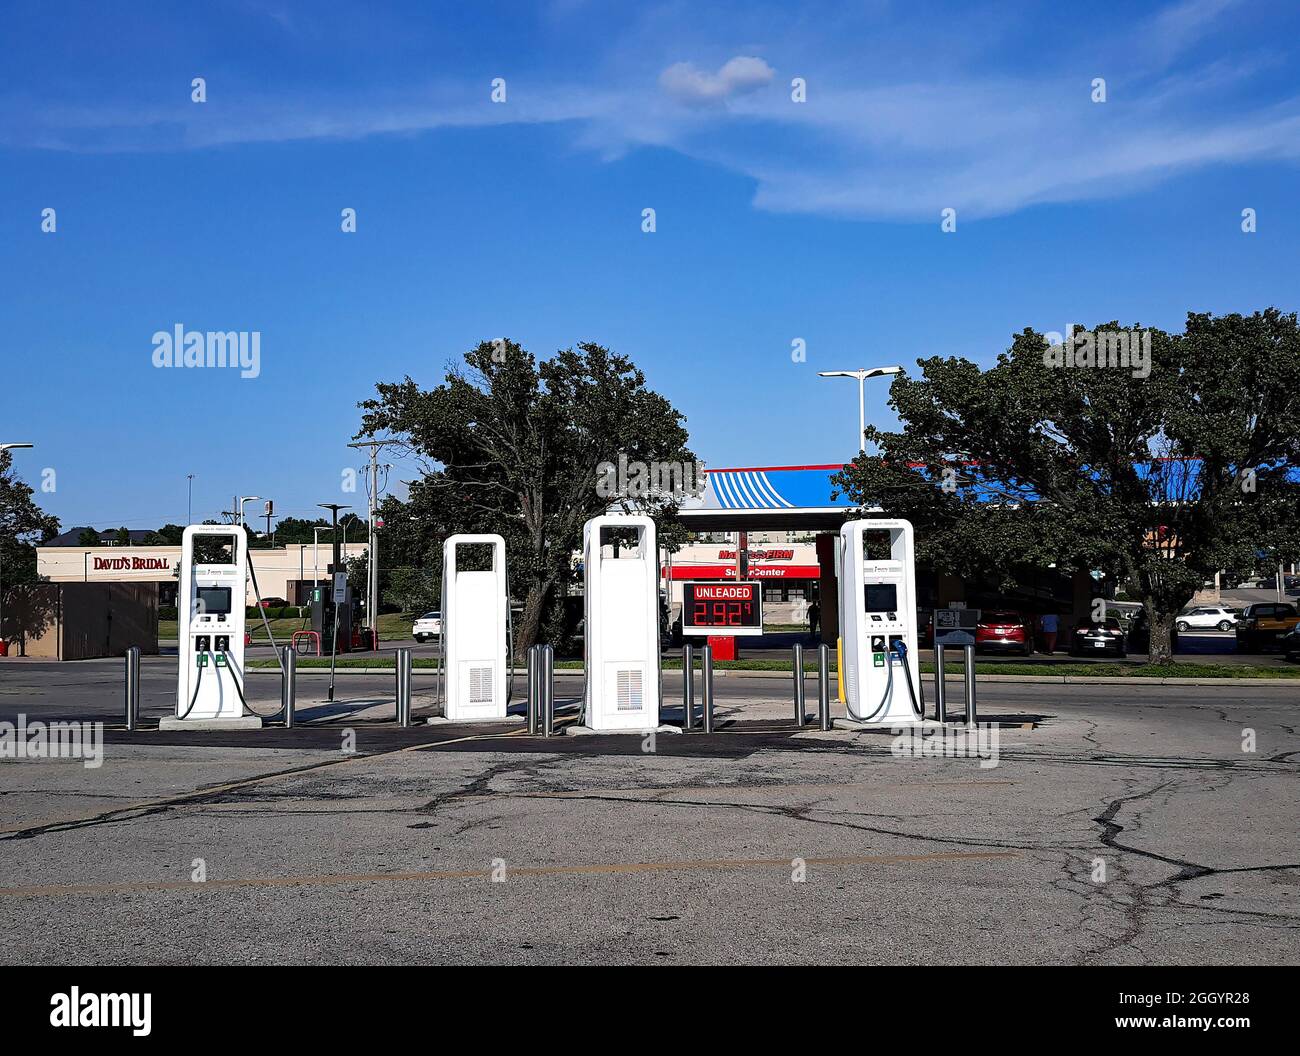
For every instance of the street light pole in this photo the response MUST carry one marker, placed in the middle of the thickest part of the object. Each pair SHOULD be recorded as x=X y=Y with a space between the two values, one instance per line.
x=862 y=375
x=246 y=498
x=334 y=508
x=315 y=554
x=189 y=511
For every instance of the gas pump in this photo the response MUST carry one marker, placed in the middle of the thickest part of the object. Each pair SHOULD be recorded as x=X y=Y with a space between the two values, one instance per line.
x=621 y=606
x=475 y=613
x=881 y=669
x=323 y=613
x=210 y=647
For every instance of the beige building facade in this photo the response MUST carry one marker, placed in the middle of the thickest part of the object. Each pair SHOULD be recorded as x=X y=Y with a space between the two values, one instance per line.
x=283 y=572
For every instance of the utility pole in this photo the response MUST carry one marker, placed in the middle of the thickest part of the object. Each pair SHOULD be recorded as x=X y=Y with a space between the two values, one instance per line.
x=372 y=562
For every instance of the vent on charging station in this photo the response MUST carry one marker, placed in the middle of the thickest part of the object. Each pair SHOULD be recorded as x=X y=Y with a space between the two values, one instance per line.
x=629 y=689
x=480 y=684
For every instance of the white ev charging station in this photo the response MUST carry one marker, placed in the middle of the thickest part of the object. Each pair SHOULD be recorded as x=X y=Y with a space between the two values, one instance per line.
x=621 y=604
x=475 y=610
x=210 y=642
x=880 y=664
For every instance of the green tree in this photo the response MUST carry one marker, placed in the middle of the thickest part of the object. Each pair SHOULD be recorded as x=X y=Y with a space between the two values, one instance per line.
x=416 y=590
x=1157 y=478
x=516 y=446
x=23 y=524
x=167 y=535
x=89 y=537
x=290 y=531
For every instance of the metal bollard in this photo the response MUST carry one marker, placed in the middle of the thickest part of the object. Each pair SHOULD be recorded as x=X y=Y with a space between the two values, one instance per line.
x=403 y=687
x=289 y=686
x=970 y=686
x=534 y=705
x=706 y=687
x=824 y=686
x=688 y=688
x=547 y=657
x=800 y=714
x=133 y=688
x=940 y=692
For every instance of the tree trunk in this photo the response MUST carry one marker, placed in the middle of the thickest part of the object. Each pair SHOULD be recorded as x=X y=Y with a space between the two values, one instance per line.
x=530 y=623
x=1161 y=648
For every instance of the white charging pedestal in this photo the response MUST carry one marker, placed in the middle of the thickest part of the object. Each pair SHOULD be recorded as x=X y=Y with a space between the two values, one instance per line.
x=210 y=603
x=621 y=597
x=877 y=609
x=475 y=607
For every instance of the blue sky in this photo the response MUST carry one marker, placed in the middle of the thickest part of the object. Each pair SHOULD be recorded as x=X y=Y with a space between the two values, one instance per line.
x=776 y=220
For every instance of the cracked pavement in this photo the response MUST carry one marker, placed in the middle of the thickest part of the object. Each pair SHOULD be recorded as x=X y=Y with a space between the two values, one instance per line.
x=1127 y=826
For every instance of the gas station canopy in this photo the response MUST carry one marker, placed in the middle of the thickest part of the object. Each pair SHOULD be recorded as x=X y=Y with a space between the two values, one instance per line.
x=767 y=498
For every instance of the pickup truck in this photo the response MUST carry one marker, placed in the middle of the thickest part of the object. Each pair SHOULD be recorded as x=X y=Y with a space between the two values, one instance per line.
x=1265 y=623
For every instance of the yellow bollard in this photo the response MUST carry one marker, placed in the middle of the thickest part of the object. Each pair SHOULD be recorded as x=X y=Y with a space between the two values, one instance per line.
x=839 y=666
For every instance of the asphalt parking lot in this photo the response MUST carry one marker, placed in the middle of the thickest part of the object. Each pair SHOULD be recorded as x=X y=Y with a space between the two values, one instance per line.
x=1120 y=824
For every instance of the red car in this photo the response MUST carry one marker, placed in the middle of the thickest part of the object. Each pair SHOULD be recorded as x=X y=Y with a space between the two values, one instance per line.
x=1003 y=629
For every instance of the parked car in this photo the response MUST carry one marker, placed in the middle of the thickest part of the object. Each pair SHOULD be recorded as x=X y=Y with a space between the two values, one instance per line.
x=1004 y=630
x=1099 y=636
x=274 y=603
x=1265 y=623
x=427 y=626
x=1291 y=643
x=1205 y=617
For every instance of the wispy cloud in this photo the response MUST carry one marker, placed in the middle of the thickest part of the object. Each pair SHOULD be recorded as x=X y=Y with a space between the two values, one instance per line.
x=868 y=142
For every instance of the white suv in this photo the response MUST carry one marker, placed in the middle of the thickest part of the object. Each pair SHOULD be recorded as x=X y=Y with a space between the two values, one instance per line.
x=1204 y=617
x=427 y=626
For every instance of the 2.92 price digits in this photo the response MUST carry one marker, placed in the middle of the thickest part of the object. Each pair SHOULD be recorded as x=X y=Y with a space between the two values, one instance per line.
x=723 y=614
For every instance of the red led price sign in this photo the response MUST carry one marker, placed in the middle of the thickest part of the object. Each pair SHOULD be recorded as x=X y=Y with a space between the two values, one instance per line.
x=722 y=608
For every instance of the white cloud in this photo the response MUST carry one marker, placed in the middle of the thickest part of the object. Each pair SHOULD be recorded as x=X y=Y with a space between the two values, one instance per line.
x=688 y=84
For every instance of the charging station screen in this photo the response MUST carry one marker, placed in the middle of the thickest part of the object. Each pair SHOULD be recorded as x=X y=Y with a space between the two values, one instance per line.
x=882 y=597
x=722 y=608
x=215 y=601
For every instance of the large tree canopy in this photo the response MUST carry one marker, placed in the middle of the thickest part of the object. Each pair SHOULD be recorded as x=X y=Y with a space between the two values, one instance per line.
x=1158 y=475
x=22 y=525
x=515 y=446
